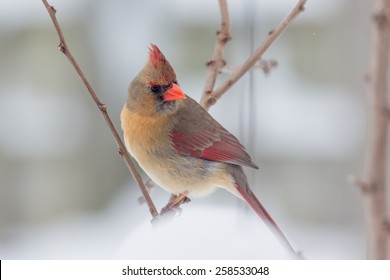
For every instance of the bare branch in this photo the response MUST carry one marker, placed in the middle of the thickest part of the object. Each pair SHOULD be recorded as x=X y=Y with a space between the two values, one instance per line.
x=210 y=98
x=265 y=65
x=376 y=162
x=217 y=62
x=63 y=47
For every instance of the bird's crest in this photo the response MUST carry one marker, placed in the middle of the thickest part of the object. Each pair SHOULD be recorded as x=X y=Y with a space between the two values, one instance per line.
x=155 y=56
x=162 y=72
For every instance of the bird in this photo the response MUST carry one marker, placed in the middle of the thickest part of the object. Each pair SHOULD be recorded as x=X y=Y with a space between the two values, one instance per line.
x=179 y=145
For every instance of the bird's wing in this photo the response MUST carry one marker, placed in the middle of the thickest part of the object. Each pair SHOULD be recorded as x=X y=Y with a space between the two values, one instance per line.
x=197 y=134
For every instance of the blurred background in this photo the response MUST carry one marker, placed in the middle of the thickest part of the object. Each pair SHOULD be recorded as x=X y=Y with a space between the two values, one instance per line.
x=64 y=191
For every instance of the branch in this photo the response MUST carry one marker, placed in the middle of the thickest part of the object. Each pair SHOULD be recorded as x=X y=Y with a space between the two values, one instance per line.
x=375 y=173
x=63 y=47
x=215 y=65
x=210 y=98
x=264 y=65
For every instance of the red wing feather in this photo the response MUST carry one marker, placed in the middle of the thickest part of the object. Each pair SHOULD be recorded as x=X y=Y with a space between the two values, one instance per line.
x=217 y=145
x=197 y=134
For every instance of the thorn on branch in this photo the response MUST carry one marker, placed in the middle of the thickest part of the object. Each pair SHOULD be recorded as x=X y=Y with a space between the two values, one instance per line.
x=302 y=8
x=62 y=48
x=221 y=66
x=271 y=31
x=210 y=63
x=103 y=107
x=223 y=37
x=53 y=9
x=212 y=101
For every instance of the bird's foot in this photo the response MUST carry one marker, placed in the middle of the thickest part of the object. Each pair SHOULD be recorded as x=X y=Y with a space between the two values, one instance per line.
x=172 y=209
x=174 y=204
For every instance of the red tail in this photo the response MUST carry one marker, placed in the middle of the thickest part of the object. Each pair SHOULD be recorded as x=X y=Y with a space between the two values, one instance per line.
x=255 y=204
x=246 y=193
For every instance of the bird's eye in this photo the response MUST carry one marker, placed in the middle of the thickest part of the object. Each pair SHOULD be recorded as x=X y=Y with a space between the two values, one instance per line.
x=155 y=89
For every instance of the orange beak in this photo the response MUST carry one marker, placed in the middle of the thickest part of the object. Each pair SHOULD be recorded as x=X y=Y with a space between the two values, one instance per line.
x=173 y=93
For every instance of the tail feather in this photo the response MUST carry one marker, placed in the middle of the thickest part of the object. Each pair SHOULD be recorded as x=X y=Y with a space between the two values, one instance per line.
x=242 y=187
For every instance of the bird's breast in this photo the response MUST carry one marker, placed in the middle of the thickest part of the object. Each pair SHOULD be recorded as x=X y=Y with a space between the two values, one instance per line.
x=148 y=140
x=144 y=134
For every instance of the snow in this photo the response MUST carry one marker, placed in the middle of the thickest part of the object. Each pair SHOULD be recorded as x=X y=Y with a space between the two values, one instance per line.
x=203 y=231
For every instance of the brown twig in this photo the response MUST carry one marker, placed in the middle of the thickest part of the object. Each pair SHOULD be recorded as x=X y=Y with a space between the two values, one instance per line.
x=217 y=62
x=63 y=47
x=209 y=98
x=264 y=65
x=376 y=166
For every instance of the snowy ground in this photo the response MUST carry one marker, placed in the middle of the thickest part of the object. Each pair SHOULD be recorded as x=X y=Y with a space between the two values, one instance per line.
x=201 y=232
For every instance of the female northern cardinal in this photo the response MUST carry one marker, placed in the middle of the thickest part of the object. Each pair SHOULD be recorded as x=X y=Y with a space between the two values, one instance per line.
x=180 y=145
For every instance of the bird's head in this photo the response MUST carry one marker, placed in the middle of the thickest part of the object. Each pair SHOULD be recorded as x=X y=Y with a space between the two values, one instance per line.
x=155 y=89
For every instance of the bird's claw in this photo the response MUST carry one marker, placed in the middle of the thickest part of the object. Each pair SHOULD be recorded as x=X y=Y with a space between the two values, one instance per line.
x=175 y=202
x=172 y=209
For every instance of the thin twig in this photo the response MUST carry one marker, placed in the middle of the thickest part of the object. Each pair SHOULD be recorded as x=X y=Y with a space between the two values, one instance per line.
x=264 y=65
x=217 y=62
x=209 y=99
x=376 y=162
x=63 y=47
